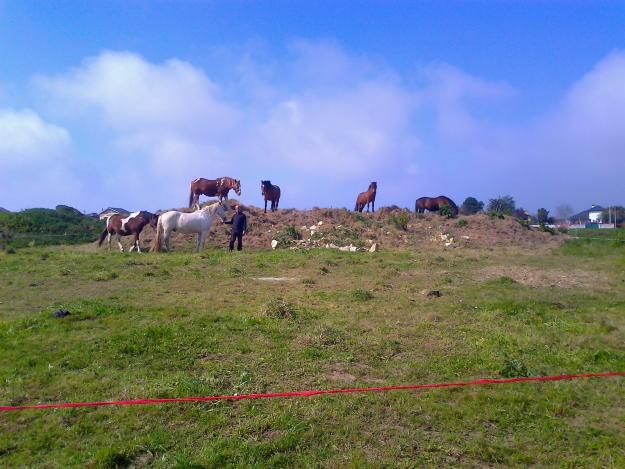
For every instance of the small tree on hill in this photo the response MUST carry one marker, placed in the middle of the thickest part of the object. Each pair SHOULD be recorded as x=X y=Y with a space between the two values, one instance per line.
x=542 y=215
x=471 y=206
x=501 y=205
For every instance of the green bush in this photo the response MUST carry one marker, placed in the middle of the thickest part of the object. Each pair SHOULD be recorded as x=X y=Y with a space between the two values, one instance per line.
x=446 y=211
x=400 y=221
x=286 y=236
x=462 y=223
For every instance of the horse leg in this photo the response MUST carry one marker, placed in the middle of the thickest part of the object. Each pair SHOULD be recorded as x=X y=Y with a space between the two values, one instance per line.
x=265 y=205
x=372 y=206
x=367 y=207
x=108 y=240
x=136 y=243
x=119 y=243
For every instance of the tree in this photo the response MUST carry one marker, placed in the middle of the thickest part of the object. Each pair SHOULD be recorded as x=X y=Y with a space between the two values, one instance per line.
x=520 y=213
x=615 y=213
x=471 y=206
x=542 y=215
x=564 y=211
x=501 y=205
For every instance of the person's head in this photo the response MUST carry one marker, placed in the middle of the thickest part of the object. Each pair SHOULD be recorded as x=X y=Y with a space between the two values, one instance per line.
x=237 y=208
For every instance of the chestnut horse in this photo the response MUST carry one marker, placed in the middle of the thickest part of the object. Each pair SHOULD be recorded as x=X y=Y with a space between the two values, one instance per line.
x=212 y=187
x=366 y=198
x=433 y=204
x=270 y=192
x=121 y=225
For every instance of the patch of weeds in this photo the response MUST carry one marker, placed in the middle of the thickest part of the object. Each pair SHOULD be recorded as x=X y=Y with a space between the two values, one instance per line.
x=235 y=272
x=278 y=308
x=523 y=223
x=324 y=270
x=446 y=211
x=287 y=236
x=360 y=294
x=503 y=280
x=149 y=273
x=112 y=457
x=462 y=223
x=547 y=229
x=104 y=276
x=309 y=282
x=400 y=221
x=513 y=368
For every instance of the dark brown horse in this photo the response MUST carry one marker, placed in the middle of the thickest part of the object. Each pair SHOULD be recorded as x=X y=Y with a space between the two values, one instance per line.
x=122 y=225
x=212 y=187
x=366 y=198
x=270 y=192
x=434 y=204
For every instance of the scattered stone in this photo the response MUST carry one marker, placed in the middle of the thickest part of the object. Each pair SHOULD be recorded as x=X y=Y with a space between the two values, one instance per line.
x=61 y=313
x=434 y=294
x=274 y=243
x=374 y=247
x=320 y=222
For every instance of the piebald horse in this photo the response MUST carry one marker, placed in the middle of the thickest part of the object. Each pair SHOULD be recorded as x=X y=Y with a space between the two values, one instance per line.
x=433 y=204
x=270 y=192
x=122 y=225
x=366 y=198
x=212 y=187
x=198 y=222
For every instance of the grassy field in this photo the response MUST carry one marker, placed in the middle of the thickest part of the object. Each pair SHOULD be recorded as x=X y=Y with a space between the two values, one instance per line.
x=182 y=324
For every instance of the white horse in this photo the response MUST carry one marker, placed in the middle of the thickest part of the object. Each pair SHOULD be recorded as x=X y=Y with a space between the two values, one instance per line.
x=198 y=222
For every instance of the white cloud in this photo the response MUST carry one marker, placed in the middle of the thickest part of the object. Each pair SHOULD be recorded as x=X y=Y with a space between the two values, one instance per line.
x=322 y=114
x=25 y=138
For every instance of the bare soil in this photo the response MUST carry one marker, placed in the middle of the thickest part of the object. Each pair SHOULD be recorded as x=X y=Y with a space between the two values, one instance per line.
x=341 y=228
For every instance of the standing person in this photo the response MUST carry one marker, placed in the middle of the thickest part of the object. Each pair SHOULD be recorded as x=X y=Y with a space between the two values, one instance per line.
x=239 y=227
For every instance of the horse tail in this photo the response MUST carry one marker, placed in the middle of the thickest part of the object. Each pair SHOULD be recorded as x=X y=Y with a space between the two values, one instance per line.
x=158 y=239
x=103 y=236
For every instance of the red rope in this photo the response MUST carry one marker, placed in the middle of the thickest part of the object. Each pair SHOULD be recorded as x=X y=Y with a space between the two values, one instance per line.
x=317 y=392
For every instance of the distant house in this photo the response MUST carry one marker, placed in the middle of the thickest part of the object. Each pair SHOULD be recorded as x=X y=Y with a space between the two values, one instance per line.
x=593 y=215
x=591 y=218
x=111 y=211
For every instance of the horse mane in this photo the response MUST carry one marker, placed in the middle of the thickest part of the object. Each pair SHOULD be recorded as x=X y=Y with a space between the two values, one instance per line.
x=267 y=184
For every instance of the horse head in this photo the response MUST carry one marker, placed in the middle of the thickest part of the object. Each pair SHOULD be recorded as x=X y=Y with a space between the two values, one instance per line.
x=153 y=220
x=237 y=186
x=373 y=185
x=264 y=186
x=221 y=211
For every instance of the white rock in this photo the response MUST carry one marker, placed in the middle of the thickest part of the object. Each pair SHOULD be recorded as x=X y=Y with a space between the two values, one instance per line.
x=353 y=248
x=320 y=222
x=274 y=243
x=374 y=247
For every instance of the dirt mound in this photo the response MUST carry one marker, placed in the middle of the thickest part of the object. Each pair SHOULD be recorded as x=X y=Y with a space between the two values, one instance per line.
x=388 y=227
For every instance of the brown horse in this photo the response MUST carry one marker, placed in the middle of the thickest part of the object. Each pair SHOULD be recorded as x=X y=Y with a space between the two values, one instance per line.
x=366 y=198
x=270 y=192
x=122 y=225
x=212 y=187
x=433 y=204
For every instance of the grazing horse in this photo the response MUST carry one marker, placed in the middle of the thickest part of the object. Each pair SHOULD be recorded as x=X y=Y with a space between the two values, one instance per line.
x=212 y=187
x=270 y=192
x=366 y=198
x=122 y=225
x=433 y=204
x=198 y=222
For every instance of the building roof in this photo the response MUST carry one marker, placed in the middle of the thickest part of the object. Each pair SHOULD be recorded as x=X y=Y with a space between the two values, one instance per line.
x=585 y=214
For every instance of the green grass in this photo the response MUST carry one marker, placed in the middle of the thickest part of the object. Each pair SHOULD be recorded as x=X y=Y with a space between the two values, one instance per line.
x=181 y=324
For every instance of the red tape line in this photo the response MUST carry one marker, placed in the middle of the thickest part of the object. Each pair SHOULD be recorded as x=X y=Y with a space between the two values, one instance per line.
x=317 y=392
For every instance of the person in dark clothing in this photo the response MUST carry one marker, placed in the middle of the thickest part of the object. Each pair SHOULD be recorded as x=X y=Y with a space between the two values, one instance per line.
x=239 y=227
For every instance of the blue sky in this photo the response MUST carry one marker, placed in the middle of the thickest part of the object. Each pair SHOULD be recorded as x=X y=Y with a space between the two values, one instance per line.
x=124 y=102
